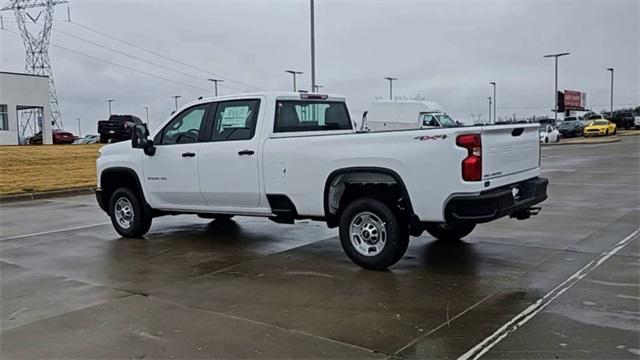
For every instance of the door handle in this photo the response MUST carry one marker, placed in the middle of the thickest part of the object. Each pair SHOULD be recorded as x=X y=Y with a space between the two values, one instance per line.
x=246 y=152
x=188 y=154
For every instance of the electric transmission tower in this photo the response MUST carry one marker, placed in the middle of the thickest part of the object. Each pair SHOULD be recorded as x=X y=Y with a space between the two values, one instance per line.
x=36 y=45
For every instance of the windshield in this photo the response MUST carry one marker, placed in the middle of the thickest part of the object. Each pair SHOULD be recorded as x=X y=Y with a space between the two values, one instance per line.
x=595 y=117
x=446 y=121
x=568 y=124
x=601 y=122
x=570 y=118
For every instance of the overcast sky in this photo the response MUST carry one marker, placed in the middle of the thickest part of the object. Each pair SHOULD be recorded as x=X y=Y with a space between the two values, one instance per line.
x=446 y=51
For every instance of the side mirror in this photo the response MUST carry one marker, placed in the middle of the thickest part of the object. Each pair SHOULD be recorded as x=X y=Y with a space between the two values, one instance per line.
x=140 y=139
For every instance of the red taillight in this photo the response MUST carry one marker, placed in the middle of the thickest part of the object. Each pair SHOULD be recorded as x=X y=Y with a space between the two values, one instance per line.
x=472 y=164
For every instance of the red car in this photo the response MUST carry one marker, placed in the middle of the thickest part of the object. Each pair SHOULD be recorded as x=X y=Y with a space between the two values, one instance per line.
x=59 y=137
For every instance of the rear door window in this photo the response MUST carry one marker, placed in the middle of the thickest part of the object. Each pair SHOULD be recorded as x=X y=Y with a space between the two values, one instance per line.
x=235 y=120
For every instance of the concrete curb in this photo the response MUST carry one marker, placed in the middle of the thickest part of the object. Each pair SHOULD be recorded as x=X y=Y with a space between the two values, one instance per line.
x=631 y=133
x=584 y=142
x=46 y=195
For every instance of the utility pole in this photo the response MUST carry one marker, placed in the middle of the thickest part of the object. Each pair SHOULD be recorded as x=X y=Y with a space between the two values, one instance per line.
x=175 y=99
x=494 y=103
x=37 y=44
x=611 y=69
x=79 y=128
x=489 y=108
x=313 y=48
x=294 y=73
x=391 y=79
x=146 y=109
x=555 y=94
x=215 y=85
x=109 y=101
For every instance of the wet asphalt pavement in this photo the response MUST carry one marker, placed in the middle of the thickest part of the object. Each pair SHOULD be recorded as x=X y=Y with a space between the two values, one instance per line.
x=250 y=288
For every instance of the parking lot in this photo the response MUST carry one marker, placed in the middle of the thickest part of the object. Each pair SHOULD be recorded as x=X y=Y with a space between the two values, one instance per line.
x=250 y=288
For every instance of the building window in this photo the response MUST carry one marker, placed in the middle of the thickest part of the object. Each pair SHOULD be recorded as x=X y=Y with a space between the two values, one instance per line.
x=4 y=118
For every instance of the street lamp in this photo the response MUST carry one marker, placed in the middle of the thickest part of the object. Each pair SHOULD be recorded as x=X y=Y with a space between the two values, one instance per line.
x=215 y=85
x=313 y=46
x=611 y=69
x=175 y=99
x=490 y=109
x=294 y=73
x=494 y=103
x=391 y=79
x=555 y=94
x=317 y=87
x=109 y=101
x=146 y=109
x=79 y=128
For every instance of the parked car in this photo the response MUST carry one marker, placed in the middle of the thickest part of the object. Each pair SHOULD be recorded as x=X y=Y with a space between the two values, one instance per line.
x=59 y=137
x=624 y=119
x=88 y=139
x=290 y=156
x=598 y=125
x=570 y=127
x=548 y=134
x=636 y=122
x=117 y=128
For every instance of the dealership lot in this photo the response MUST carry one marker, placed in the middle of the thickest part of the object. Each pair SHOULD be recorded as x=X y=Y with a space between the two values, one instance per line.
x=250 y=288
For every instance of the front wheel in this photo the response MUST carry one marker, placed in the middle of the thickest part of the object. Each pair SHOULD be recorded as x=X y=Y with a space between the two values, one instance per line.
x=546 y=140
x=371 y=235
x=449 y=232
x=129 y=215
x=606 y=132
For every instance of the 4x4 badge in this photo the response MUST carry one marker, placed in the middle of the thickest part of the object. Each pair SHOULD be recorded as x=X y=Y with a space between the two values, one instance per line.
x=429 y=137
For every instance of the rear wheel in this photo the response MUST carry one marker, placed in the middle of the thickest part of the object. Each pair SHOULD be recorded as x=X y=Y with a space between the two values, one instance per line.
x=371 y=235
x=546 y=140
x=449 y=232
x=129 y=215
x=615 y=131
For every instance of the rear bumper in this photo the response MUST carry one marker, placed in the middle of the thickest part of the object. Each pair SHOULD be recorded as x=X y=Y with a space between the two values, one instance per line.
x=496 y=203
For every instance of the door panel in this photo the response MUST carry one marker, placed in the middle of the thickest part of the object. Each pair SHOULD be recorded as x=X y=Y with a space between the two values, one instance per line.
x=171 y=174
x=228 y=163
x=171 y=178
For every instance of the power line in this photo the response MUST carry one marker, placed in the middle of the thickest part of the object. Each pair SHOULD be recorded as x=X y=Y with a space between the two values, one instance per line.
x=160 y=55
x=139 y=58
x=119 y=65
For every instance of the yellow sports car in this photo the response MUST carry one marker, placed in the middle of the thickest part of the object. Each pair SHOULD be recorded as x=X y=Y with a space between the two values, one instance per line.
x=599 y=126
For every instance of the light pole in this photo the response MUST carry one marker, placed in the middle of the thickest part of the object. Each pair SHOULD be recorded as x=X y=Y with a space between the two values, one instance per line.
x=175 y=99
x=555 y=94
x=391 y=79
x=215 y=85
x=611 y=69
x=317 y=87
x=313 y=47
x=489 y=109
x=109 y=101
x=146 y=109
x=79 y=128
x=494 y=103
x=294 y=73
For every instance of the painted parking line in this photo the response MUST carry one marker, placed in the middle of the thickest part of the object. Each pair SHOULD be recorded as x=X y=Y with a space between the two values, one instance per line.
x=54 y=231
x=527 y=314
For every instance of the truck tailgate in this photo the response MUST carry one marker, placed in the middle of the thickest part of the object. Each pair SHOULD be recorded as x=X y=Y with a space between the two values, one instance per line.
x=509 y=150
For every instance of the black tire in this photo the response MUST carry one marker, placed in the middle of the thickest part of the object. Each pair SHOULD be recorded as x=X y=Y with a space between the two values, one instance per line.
x=446 y=232
x=140 y=219
x=606 y=132
x=615 y=131
x=396 y=234
x=104 y=139
x=558 y=139
x=546 y=140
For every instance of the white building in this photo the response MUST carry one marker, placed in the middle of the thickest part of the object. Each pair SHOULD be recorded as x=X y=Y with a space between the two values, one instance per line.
x=20 y=93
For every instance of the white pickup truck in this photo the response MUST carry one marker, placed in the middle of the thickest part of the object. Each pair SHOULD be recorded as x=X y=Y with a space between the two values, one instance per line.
x=290 y=156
